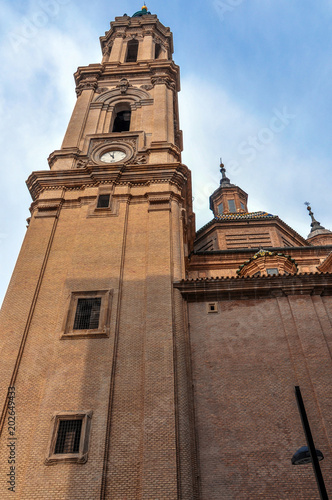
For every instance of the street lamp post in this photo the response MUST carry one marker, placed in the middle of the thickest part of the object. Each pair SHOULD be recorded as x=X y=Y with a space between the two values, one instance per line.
x=314 y=454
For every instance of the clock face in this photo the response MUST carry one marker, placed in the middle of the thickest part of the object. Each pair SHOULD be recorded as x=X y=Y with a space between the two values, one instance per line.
x=113 y=156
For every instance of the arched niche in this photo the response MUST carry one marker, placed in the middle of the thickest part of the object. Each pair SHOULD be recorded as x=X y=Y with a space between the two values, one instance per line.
x=134 y=96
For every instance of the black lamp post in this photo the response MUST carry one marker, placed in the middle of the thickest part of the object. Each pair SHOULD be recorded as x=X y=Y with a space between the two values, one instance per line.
x=308 y=454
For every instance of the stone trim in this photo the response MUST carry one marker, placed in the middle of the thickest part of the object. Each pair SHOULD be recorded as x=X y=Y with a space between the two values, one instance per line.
x=104 y=317
x=93 y=175
x=82 y=456
x=216 y=289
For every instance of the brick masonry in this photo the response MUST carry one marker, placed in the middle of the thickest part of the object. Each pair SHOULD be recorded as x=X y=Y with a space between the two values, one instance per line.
x=246 y=360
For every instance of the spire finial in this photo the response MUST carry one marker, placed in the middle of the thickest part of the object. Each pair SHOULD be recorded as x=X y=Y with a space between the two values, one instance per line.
x=224 y=179
x=314 y=223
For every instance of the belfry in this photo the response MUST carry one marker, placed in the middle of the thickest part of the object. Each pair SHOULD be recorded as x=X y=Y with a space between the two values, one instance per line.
x=141 y=360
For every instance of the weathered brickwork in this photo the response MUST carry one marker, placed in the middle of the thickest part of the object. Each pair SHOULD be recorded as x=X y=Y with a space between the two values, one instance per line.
x=131 y=255
x=246 y=360
x=184 y=383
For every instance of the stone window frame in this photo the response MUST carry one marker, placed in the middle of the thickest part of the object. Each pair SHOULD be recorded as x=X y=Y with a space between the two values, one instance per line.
x=82 y=456
x=104 y=316
x=132 y=50
x=102 y=207
x=212 y=307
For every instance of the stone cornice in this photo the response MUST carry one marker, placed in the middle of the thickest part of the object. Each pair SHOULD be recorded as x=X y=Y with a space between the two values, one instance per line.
x=146 y=24
x=90 y=75
x=231 y=259
x=93 y=175
x=204 y=289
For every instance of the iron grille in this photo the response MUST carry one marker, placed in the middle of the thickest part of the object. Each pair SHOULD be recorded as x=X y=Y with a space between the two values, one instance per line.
x=87 y=314
x=103 y=201
x=68 y=438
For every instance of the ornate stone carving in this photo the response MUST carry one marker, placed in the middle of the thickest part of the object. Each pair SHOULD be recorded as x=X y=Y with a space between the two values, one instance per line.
x=123 y=85
x=87 y=84
x=141 y=159
x=100 y=90
x=81 y=163
x=146 y=87
x=165 y=80
x=106 y=50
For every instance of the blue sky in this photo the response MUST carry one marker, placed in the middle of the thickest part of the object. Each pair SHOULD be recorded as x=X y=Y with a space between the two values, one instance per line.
x=255 y=78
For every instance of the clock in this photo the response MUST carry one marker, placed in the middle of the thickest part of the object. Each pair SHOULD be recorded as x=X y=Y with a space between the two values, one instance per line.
x=113 y=156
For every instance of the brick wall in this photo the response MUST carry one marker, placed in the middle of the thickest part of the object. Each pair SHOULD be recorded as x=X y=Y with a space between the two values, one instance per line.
x=246 y=360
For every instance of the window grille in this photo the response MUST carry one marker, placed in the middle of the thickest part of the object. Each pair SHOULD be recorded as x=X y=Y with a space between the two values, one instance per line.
x=87 y=314
x=103 y=201
x=69 y=435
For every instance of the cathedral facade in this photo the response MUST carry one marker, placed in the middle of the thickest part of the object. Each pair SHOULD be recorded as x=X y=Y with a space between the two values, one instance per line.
x=142 y=360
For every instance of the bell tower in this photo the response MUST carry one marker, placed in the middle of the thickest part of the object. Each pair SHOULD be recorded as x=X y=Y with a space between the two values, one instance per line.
x=92 y=333
x=128 y=103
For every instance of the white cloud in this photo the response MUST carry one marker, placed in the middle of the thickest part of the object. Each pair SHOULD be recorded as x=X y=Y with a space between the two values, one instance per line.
x=274 y=174
x=37 y=95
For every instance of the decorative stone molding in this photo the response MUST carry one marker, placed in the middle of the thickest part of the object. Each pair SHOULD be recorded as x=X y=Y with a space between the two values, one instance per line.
x=87 y=84
x=82 y=456
x=159 y=202
x=102 y=330
x=123 y=85
x=203 y=289
x=94 y=174
x=326 y=265
x=133 y=95
x=265 y=260
x=146 y=87
x=81 y=163
x=71 y=153
x=106 y=50
x=165 y=80
x=100 y=90
x=98 y=146
x=141 y=159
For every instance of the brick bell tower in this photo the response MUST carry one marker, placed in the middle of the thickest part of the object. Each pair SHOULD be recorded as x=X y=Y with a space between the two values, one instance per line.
x=92 y=333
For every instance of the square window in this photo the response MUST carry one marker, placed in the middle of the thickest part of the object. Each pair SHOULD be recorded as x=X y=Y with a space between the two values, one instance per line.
x=212 y=307
x=88 y=314
x=69 y=438
x=103 y=201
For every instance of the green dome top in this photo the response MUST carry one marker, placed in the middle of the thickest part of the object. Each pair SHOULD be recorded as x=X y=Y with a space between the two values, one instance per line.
x=142 y=12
